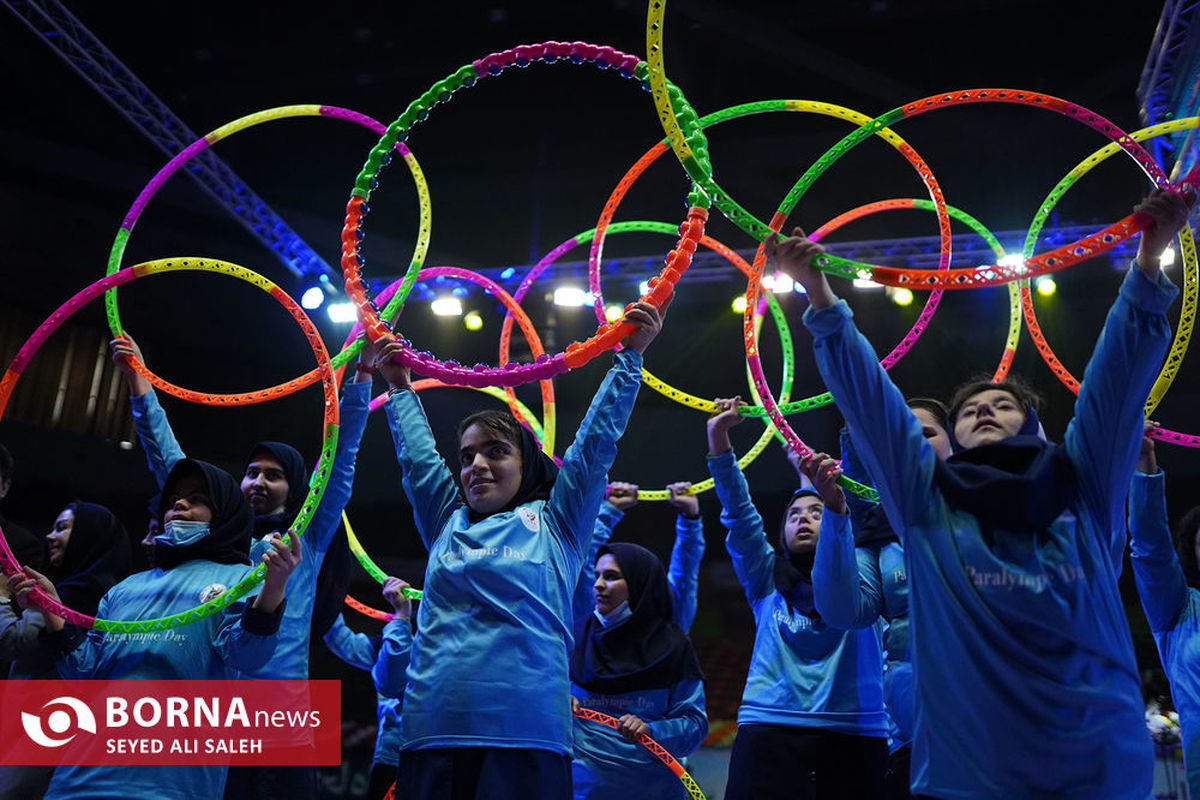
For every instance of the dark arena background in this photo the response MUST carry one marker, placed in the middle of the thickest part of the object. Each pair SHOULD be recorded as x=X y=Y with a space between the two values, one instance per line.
x=98 y=97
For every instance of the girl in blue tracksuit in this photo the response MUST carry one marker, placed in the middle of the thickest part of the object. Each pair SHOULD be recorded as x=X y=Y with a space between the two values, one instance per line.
x=487 y=708
x=386 y=658
x=389 y=673
x=633 y=662
x=683 y=572
x=1170 y=597
x=275 y=498
x=1027 y=685
x=812 y=722
x=848 y=598
x=202 y=551
x=275 y=483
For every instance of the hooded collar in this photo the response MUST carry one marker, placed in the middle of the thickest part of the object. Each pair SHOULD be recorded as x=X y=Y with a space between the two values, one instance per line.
x=1020 y=483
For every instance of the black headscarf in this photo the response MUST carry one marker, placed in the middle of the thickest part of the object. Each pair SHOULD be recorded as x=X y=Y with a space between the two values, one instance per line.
x=646 y=651
x=97 y=557
x=793 y=574
x=1020 y=483
x=333 y=582
x=228 y=538
x=297 y=477
x=538 y=473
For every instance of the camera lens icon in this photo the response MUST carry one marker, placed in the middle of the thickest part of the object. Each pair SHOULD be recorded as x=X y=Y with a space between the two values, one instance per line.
x=59 y=720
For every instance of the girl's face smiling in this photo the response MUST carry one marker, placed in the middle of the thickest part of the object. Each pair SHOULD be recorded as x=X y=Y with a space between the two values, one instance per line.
x=489 y=469
x=265 y=485
x=59 y=535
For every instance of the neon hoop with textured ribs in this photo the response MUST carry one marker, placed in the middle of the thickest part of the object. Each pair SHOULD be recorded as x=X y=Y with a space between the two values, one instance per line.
x=320 y=478
x=576 y=354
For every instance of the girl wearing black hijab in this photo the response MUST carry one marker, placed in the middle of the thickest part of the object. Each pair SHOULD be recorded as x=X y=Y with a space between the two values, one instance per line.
x=89 y=553
x=201 y=552
x=631 y=661
x=812 y=723
x=487 y=708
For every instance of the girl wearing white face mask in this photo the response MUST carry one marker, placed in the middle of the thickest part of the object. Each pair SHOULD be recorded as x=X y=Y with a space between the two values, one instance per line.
x=487 y=708
x=201 y=552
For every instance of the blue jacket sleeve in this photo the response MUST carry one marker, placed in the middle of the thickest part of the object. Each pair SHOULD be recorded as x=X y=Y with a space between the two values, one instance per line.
x=577 y=494
x=352 y=422
x=81 y=653
x=887 y=436
x=1156 y=568
x=607 y=519
x=753 y=556
x=582 y=603
x=683 y=572
x=1102 y=440
x=356 y=649
x=247 y=637
x=391 y=666
x=685 y=723
x=154 y=431
x=855 y=470
x=847 y=585
x=427 y=481
x=19 y=633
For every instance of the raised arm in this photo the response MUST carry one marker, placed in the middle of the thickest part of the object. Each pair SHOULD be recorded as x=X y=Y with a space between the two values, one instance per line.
x=847 y=587
x=620 y=497
x=1156 y=569
x=579 y=490
x=353 y=411
x=391 y=666
x=427 y=481
x=752 y=554
x=149 y=419
x=1103 y=438
x=887 y=435
x=683 y=571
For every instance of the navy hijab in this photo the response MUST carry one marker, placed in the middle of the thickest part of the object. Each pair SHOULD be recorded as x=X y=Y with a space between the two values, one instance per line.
x=97 y=557
x=1020 y=483
x=646 y=651
x=297 y=477
x=793 y=574
x=229 y=531
x=538 y=474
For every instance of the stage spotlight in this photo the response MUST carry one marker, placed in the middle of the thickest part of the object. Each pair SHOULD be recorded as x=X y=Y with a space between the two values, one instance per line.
x=341 y=313
x=613 y=312
x=447 y=306
x=473 y=321
x=571 y=296
x=312 y=298
x=739 y=304
x=1046 y=286
x=902 y=296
